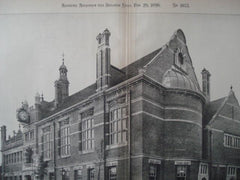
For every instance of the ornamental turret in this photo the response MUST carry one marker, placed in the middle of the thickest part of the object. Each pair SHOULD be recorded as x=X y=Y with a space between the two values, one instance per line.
x=61 y=85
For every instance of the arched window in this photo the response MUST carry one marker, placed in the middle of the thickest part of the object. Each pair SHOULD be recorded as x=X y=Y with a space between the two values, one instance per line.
x=180 y=58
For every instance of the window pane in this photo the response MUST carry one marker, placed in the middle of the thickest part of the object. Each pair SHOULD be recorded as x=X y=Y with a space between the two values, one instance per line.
x=115 y=126
x=124 y=136
x=119 y=125
x=124 y=124
x=124 y=112
x=119 y=113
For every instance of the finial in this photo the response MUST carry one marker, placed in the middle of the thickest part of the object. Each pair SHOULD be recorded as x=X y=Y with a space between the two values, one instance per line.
x=42 y=97
x=231 y=87
x=63 y=58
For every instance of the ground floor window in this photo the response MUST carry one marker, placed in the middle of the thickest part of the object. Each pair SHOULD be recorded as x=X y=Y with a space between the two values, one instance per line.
x=112 y=173
x=154 y=171
x=65 y=175
x=232 y=173
x=203 y=169
x=51 y=176
x=181 y=172
x=78 y=174
x=91 y=174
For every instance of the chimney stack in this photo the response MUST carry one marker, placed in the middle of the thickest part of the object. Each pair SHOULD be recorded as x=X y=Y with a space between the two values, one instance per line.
x=103 y=61
x=206 y=84
x=3 y=134
x=37 y=106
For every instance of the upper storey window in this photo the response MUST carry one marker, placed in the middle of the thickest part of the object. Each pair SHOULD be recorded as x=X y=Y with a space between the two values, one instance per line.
x=118 y=126
x=64 y=138
x=231 y=141
x=29 y=136
x=46 y=142
x=86 y=128
x=29 y=155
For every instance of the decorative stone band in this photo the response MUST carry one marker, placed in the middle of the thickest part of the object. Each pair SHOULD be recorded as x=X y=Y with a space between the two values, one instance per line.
x=183 y=163
x=166 y=120
x=165 y=107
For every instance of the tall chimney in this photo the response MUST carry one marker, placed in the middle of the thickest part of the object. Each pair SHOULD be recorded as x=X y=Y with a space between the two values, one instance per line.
x=206 y=84
x=3 y=135
x=37 y=106
x=103 y=61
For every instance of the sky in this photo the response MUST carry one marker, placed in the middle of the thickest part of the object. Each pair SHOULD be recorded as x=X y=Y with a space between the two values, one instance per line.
x=31 y=48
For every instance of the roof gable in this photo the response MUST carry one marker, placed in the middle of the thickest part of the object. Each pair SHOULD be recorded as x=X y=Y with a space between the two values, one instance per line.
x=168 y=57
x=224 y=111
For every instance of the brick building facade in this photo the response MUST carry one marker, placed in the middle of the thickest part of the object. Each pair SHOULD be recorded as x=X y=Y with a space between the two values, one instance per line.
x=148 y=120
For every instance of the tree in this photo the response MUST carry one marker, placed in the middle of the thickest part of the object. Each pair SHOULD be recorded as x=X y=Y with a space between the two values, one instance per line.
x=100 y=153
x=42 y=168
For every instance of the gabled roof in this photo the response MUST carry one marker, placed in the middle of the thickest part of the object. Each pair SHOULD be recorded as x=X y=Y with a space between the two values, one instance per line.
x=213 y=109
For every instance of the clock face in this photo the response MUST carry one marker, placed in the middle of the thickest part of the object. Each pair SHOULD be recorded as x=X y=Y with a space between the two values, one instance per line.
x=23 y=116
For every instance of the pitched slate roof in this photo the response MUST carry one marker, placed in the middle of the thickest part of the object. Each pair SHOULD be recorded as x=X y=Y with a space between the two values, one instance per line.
x=132 y=69
x=73 y=99
x=118 y=75
x=212 y=108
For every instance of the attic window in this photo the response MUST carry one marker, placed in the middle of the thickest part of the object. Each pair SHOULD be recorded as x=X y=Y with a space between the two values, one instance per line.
x=180 y=58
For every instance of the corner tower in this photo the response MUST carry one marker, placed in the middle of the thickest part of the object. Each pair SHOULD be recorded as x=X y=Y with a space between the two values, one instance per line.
x=103 y=61
x=61 y=85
